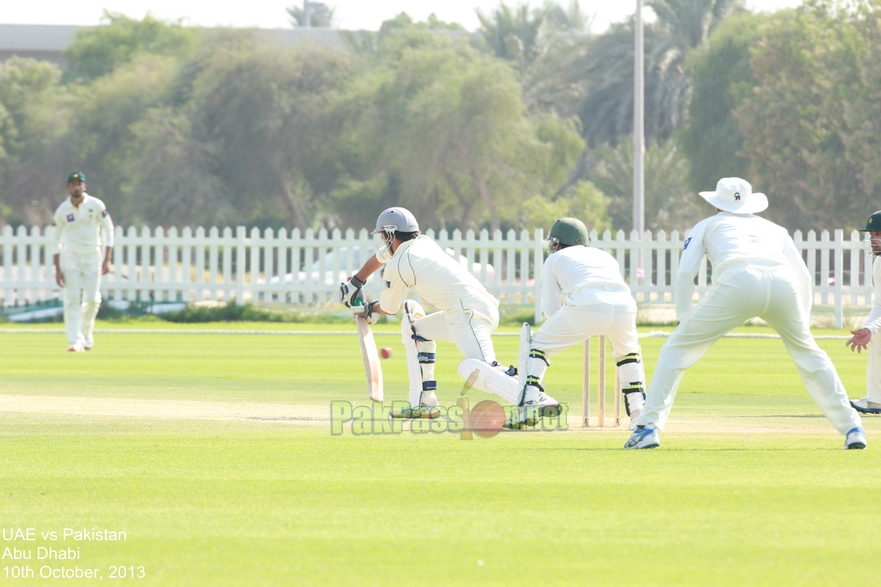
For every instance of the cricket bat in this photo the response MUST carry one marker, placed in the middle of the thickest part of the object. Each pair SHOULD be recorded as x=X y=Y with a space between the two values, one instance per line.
x=371 y=359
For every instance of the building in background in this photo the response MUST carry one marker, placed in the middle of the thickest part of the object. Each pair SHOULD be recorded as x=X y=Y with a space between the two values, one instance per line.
x=47 y=42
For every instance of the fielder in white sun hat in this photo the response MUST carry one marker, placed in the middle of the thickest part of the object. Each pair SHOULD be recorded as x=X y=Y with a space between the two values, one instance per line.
x=736 y=195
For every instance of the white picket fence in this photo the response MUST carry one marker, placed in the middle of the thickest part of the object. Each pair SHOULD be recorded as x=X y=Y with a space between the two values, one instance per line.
x=167 y=265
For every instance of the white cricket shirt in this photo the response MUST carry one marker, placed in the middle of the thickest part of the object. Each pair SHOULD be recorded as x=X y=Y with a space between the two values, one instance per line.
x=582 y=276
x=80 y=230
x=731 y=242
x=873 y=322
x=421 y=265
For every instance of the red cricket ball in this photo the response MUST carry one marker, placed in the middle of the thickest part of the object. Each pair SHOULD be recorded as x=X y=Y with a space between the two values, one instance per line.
x=386 y=352
x=487 y=418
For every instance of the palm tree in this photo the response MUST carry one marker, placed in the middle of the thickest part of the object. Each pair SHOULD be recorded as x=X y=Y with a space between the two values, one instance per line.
x=539 y=42
x=599 y=71
x=515 y=34
x=313 y=14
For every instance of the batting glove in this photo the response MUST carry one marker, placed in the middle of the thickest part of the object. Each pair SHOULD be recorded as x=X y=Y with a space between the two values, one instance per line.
x=367 y=312
x=350 y=292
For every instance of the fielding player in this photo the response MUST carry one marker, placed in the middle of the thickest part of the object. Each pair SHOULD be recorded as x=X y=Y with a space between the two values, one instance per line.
x=81 y=222
x=468 y=313
x=757 y=271
x=595 y=301
x=871 y=404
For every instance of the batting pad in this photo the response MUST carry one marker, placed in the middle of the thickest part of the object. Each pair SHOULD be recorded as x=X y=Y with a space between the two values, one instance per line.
x=491 y=379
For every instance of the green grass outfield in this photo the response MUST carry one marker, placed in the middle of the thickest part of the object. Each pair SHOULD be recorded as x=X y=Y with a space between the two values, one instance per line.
x=213 y=453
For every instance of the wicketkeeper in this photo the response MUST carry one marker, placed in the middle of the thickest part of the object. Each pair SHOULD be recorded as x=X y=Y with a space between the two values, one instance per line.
x=583 y=295
x=82 y=225
x=757 y=271
x=863 y=338
x=468 y=313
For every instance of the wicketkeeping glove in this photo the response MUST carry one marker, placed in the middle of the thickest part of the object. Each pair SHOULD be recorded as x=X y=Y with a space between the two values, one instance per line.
x=350 y=291
x=368 y=312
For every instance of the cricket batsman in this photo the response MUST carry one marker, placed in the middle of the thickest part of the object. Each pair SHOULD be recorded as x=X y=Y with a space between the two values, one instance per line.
x=757 y=271
x=583 y=295
x=467 y=314
x=82 y=227
x=871 y=404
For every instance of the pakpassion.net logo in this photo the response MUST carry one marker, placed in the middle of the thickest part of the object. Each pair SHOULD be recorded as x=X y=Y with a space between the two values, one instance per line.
x=485 y=419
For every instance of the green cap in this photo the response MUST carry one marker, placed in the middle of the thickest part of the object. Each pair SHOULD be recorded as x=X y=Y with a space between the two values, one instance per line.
x=874 y=222
x=76 y=176
x=570 y=231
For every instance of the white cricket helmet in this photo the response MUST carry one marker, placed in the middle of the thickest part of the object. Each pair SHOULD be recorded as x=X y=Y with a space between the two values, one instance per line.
x=396 y=219
x=390 y=221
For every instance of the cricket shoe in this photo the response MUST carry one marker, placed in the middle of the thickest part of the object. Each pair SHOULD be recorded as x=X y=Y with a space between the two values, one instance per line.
x=76 y=347
x=856 y=439
x=537 y=404
x=865 y=406
x=88 y=344
x=643 y=437
x=422 y=411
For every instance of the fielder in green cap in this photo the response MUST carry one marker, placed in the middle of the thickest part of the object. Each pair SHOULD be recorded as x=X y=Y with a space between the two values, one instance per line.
x=76 y=176
x=82 y=228
x=862 y=338
x=583 y=295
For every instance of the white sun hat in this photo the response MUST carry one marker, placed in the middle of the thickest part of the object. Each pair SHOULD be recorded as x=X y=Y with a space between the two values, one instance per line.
x=736 y=195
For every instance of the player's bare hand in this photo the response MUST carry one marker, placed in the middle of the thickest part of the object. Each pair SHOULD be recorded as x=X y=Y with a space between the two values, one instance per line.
x=105 y=267
x=859 y=340
x=59 y=277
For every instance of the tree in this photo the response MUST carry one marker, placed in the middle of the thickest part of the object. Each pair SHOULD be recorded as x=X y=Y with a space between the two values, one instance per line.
x=583 y=201
x=454 y=129
x=794 y=123
x=669 y=204
x=33 y=117
x=369 y=43
x=261 y=109
x=862 y=115
x=99 y=50
x=170 y=179
x=711 y=138
x=101 y=135
x=313 y=14
x=603 y=70
x=572 y=19
x=515 y=33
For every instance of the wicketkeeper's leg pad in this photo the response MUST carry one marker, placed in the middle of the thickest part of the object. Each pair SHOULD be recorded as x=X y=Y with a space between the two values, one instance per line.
x=421 y=357
x=631 y=378
x=532 y=364
x=491 y=379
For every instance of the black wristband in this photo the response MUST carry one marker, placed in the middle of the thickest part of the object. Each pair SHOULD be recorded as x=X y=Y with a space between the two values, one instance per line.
x=356 y=282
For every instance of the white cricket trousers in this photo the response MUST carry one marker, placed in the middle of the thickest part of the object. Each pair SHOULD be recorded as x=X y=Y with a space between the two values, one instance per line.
x=469 y=325
x=82 y=297
x=873 y=371
x=753 y=291
x=571 y=325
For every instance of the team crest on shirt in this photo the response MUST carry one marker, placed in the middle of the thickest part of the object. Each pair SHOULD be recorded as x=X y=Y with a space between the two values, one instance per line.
x=103 y=213
x=688 y=240
x=70 y=217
